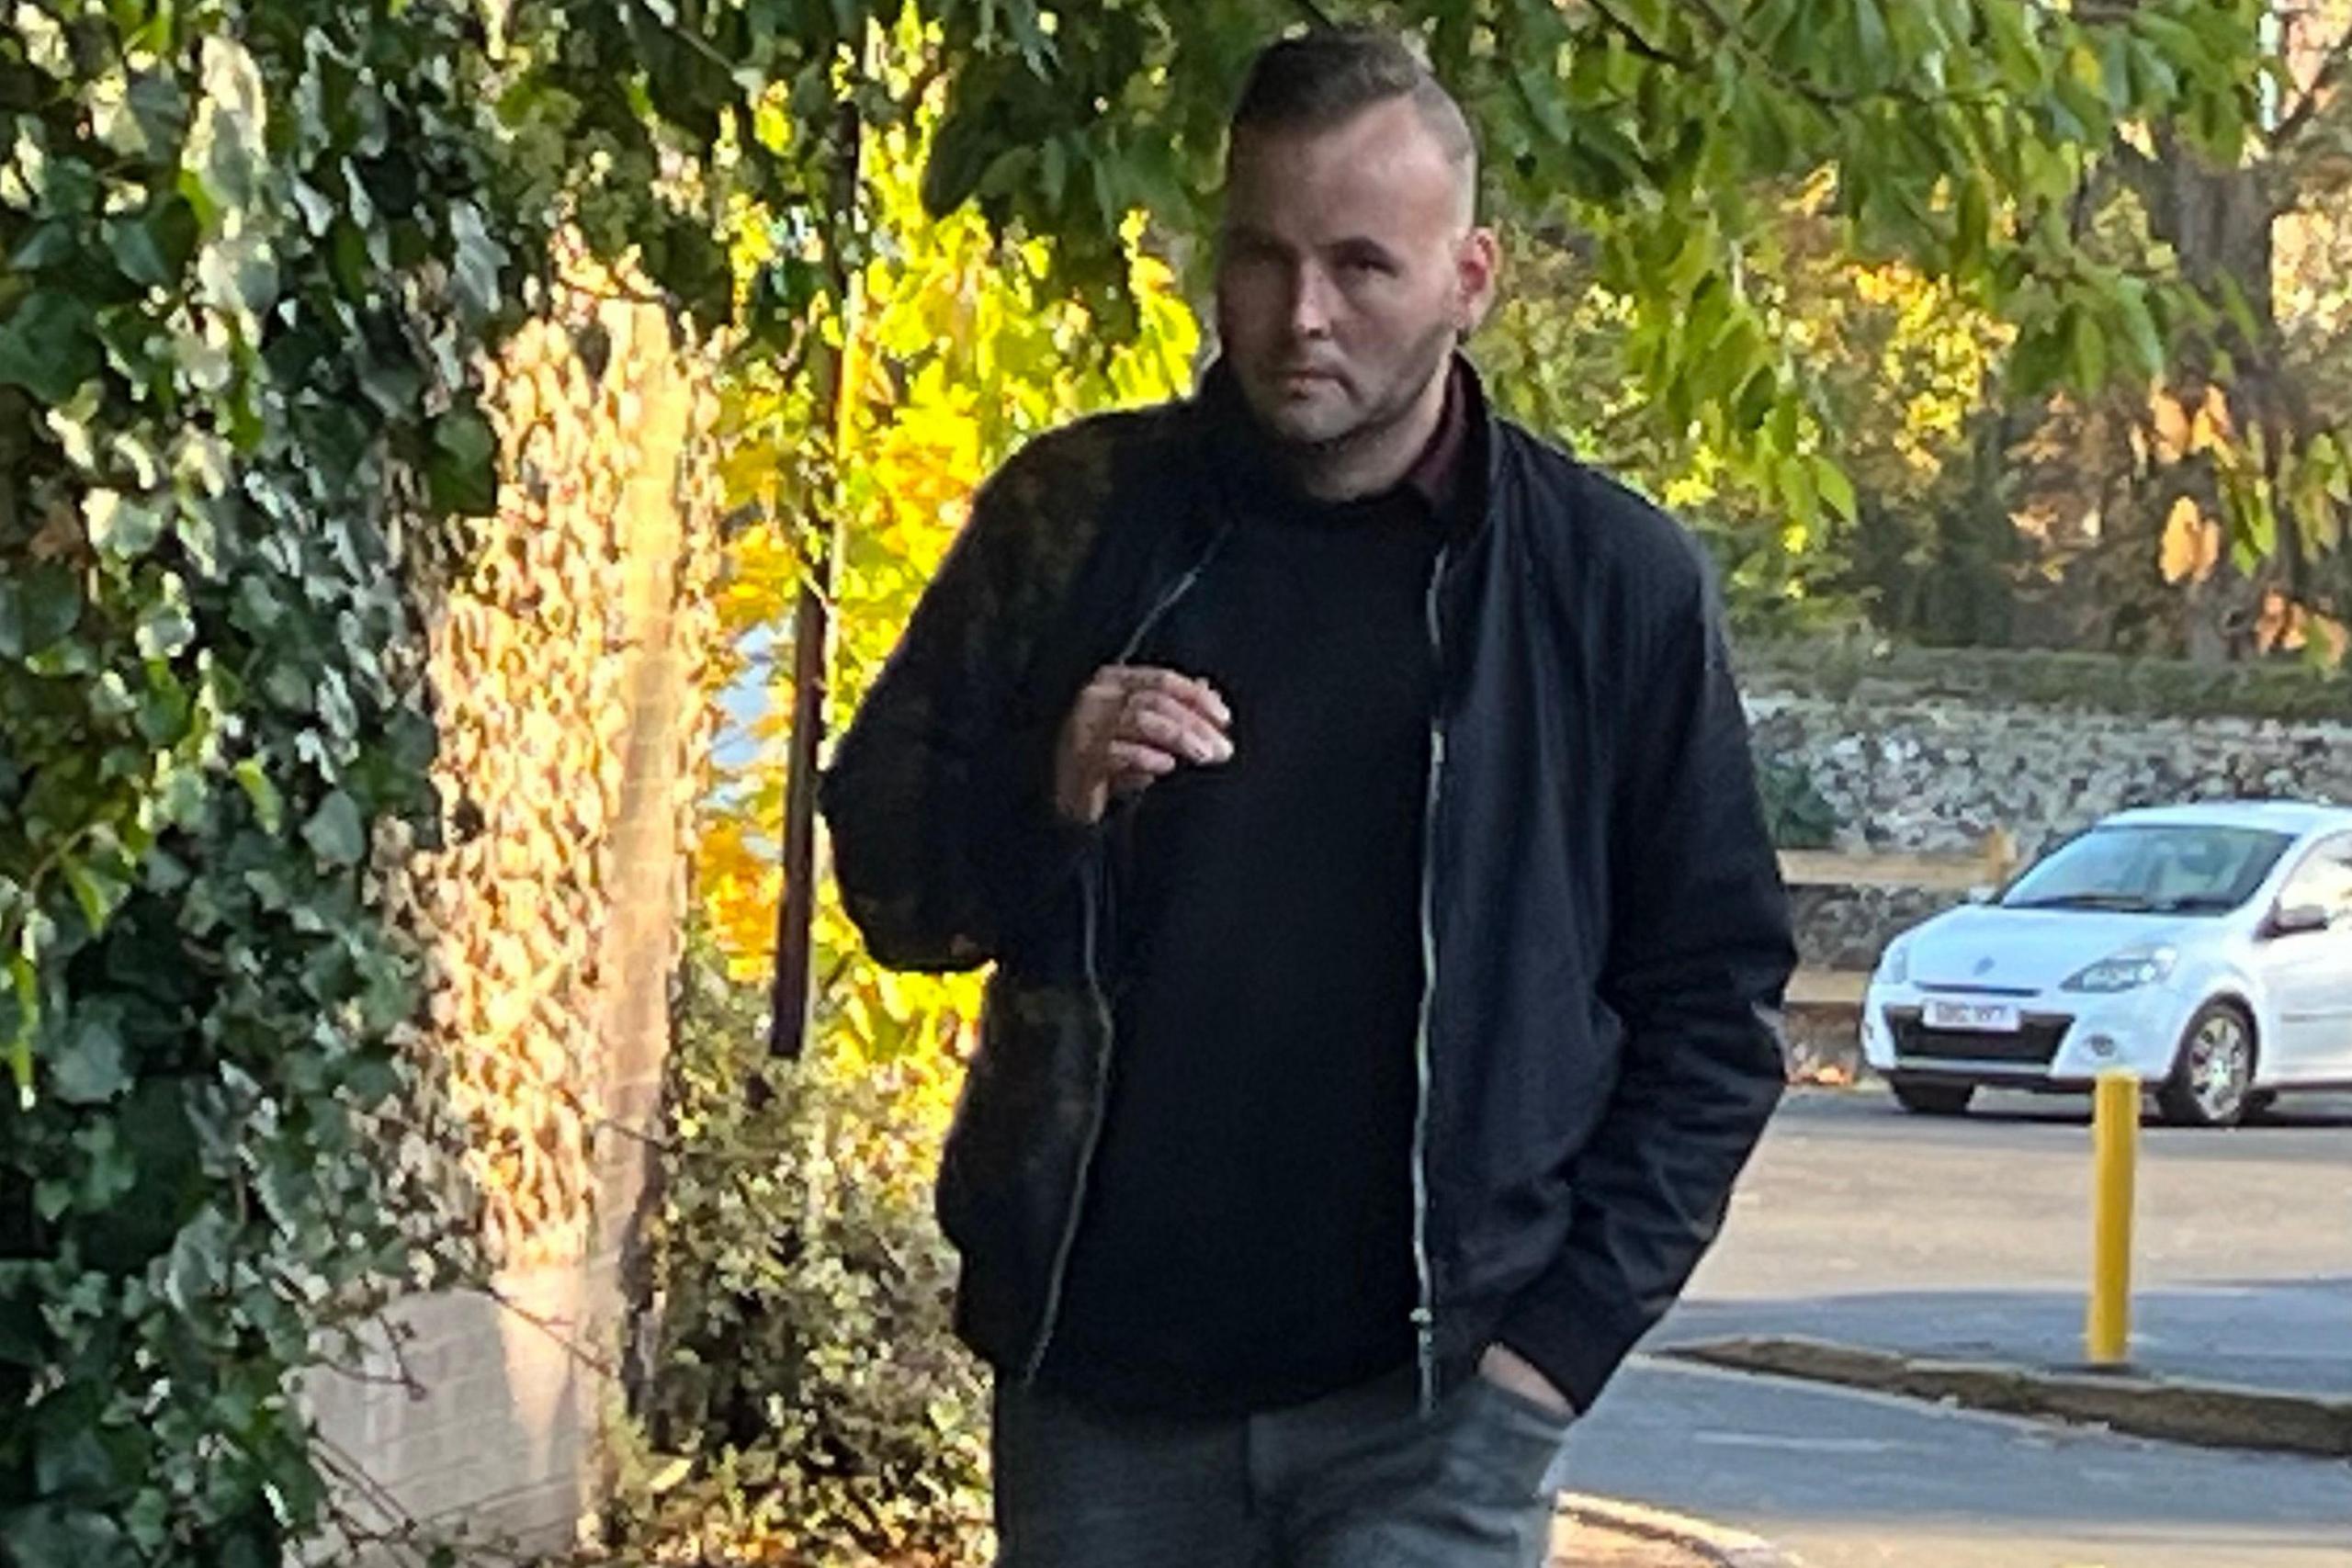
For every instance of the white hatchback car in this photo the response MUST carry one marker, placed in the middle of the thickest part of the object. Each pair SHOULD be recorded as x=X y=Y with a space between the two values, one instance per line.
x=2207 y=948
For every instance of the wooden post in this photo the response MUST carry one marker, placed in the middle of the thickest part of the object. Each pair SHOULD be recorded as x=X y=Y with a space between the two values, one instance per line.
x=833 y=372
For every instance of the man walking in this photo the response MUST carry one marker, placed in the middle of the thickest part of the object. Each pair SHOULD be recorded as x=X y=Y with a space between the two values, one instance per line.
x=1352 y=797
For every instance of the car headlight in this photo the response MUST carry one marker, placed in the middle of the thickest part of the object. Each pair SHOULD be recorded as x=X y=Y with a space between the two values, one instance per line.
x=2128 y=970
x=1895 y=965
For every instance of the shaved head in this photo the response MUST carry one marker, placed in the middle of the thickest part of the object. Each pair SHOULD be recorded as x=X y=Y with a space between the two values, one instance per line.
x=1324 y=78
x=1349 y=261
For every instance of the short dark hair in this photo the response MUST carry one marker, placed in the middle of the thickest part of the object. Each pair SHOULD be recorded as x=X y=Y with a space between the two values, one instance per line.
x=1325 y=75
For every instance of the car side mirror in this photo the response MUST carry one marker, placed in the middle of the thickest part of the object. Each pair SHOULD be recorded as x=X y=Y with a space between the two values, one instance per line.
x=2297 y=920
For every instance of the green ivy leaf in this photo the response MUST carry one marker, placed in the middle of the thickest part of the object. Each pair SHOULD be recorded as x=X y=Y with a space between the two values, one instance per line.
x=198 y=1261
x=336 y=832
x=371 y=1080
x=37 y=609
x=48 y=243
x=395 y=386
x=158 y=113
x=226 y=147
x=153 y=248
x=239 y=272
x=269 y=806
x=119 y=526
x=411 y=743
x=110 y=1169
x=479 y=261
x=87 y=1067
x=96 y=891
x=72 y=1462
x=243 y=1550
x=52 y=1536
x=47 y=345
x=166 y=631
x=462 y=473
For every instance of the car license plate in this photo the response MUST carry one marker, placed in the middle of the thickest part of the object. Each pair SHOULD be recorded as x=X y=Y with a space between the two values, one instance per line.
x=1975 y=1018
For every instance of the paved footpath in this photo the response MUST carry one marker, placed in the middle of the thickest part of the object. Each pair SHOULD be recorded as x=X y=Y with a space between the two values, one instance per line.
x=1847 y=1480
x=1971 y=1237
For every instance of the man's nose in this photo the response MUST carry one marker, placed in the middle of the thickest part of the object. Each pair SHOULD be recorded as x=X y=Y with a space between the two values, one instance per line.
x=1310 y=308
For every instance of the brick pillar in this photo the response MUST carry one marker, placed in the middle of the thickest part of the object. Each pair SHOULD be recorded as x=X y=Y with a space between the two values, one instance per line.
x=564 y=673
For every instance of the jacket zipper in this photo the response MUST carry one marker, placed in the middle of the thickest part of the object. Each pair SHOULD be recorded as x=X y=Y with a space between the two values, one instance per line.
x=1097 y=894
x=1425 y=1312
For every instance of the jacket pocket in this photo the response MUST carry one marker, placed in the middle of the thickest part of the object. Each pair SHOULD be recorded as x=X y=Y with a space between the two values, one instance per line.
x=1008 y=1172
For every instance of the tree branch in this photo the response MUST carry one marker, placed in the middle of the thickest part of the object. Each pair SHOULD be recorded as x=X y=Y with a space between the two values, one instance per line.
x=1733 y=33
x=557 y=1330
x=2325 y=84
x=1635 y=40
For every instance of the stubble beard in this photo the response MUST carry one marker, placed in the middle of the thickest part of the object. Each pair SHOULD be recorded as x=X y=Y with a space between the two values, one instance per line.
x=1401 y=397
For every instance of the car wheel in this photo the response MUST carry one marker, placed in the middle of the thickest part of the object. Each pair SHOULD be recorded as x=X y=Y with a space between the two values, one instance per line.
x=2213 y=1078
x=1931 y=1099
x=2259 y=1103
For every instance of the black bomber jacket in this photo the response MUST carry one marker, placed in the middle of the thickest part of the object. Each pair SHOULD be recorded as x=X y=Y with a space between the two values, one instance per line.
x=1608 y=935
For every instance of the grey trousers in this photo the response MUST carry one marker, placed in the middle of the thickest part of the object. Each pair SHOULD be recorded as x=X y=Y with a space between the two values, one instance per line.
x=1358 y=1480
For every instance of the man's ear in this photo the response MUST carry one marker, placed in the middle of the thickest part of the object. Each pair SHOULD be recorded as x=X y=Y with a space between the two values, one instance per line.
x=1477 y=269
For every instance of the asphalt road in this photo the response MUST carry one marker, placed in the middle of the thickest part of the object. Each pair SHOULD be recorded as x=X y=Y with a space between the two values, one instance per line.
x=1972 y=1237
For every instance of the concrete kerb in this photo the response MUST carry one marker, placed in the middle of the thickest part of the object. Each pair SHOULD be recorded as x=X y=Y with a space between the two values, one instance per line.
x=1698 y=1541
x=2173 y=1410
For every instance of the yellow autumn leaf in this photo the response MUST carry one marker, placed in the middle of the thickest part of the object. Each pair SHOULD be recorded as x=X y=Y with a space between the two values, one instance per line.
x=2192 y=544
x=2169 y=420
x=2211 y=427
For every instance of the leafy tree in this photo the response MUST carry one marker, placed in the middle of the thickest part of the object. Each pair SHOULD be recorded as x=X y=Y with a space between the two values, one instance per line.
x=955 y=346
x=811 y=1403
x=2228 y=482
x=1663 y=140
x=1898 y=367
x=1659 y=138
x=252 y=247
x=2200 y=511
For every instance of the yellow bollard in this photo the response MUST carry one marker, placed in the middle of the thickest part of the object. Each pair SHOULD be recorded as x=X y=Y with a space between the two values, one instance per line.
x=2115 y=1147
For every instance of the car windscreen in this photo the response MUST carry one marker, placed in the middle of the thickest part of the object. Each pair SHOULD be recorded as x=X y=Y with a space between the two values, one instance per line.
x=2172 y=868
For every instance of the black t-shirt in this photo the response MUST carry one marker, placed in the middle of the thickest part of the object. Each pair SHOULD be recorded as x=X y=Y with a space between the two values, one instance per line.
x=1247 y=1235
